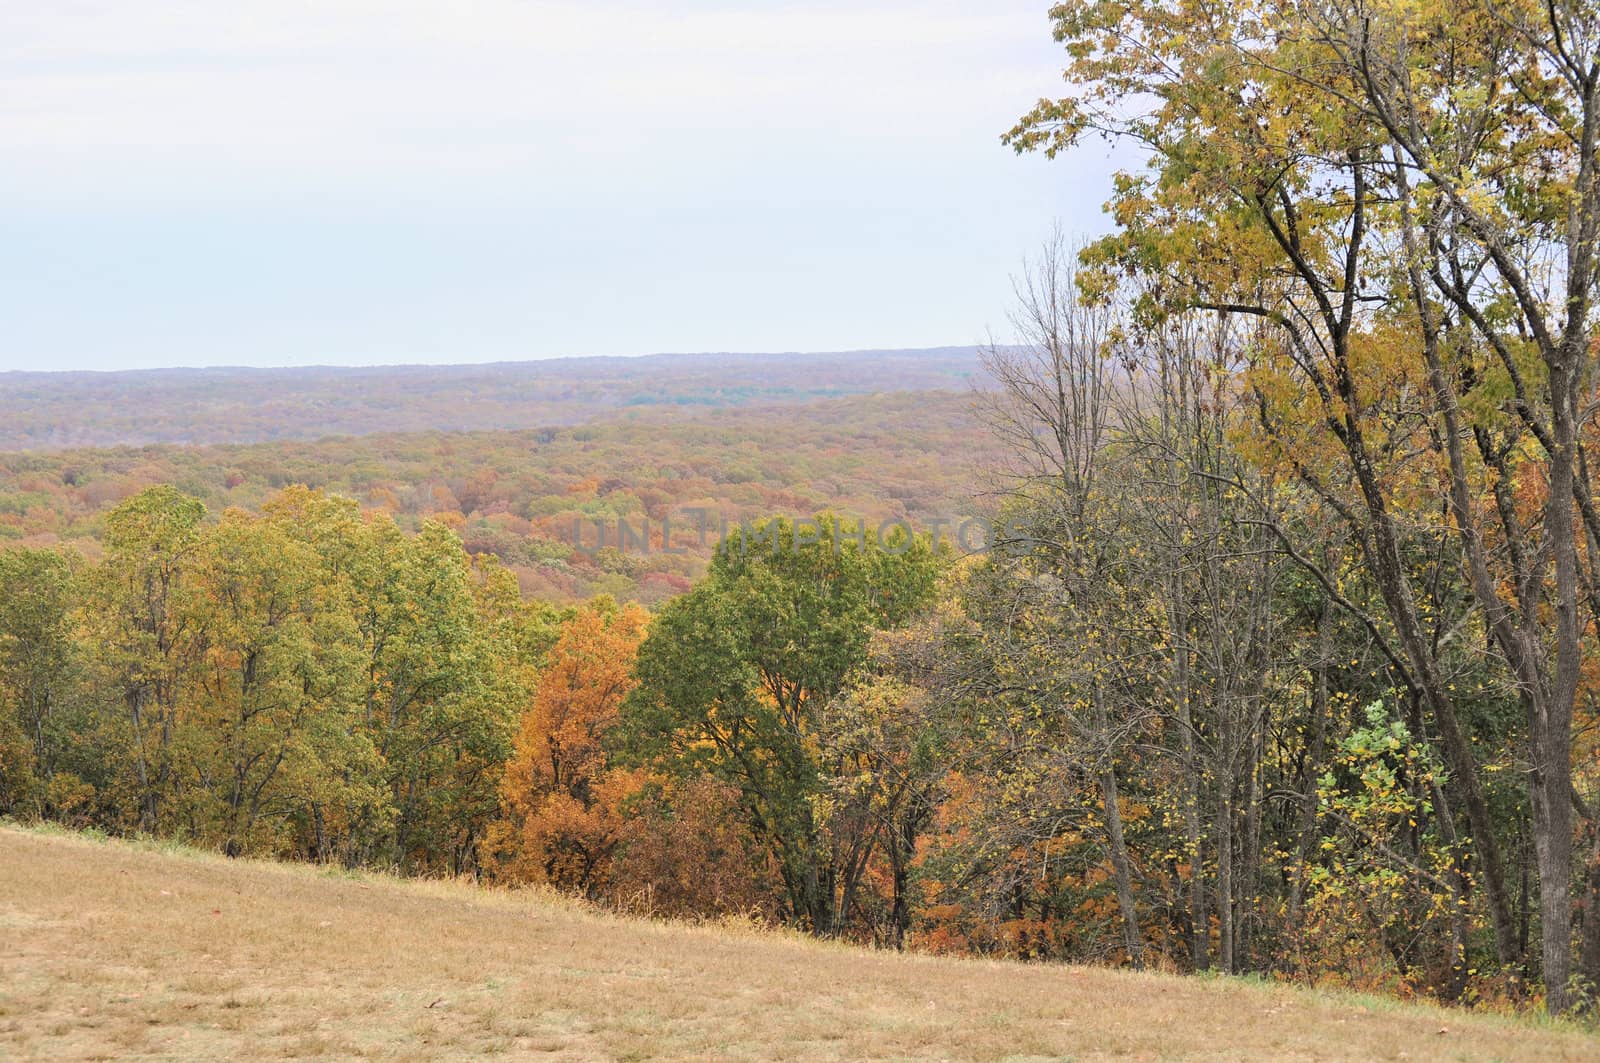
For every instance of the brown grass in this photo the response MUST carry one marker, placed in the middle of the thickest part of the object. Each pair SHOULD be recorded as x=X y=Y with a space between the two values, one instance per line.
x=116 y=950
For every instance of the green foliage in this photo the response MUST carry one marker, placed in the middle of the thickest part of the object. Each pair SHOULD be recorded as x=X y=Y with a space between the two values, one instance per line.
x=734 y=678
x=38 y=676
x=306 y=680
x=1384 y=875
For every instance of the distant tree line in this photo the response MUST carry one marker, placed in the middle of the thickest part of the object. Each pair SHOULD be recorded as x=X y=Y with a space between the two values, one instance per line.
x=525 y=496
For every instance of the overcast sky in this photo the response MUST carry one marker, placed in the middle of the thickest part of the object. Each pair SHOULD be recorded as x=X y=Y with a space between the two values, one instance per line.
x=281 y=182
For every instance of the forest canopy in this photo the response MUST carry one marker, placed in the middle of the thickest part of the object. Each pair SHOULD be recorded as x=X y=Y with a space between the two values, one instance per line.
x=1284 y=664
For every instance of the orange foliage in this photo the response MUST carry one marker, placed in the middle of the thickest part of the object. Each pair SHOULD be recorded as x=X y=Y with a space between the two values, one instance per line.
x=689 y=854
x=562 y=803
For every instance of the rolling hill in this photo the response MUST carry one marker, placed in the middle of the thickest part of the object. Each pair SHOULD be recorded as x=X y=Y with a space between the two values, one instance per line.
x=131 y=951
x=53 y=410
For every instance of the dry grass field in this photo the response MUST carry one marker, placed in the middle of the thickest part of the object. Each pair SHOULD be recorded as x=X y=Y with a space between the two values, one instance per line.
x=115 y=950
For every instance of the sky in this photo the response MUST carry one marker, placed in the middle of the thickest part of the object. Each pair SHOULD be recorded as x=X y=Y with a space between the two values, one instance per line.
x=358 y=182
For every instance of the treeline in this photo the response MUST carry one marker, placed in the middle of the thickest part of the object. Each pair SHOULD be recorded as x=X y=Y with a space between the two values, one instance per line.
x=1161 y=722
x=521 y=495
x=1394 y=207
x=312 y=682
x=308 y=681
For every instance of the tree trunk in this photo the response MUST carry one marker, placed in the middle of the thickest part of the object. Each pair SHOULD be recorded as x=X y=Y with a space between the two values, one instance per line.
x=147 y=793
x=1224 y=833
x=1552 y=731
x=899 y=917
x=1458 y=895
x=1316 y=751
x=1132 y=940
x=1199 y=923
x=1249 y=856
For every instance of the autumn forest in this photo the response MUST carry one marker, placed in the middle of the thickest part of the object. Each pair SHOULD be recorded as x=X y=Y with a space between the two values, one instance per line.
x=1280 y=656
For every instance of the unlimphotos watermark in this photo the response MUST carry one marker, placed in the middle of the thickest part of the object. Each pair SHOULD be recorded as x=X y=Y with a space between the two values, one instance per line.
x=696 y=527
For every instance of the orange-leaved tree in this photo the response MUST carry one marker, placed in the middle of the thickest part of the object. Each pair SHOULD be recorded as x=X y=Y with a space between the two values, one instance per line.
x=561 y=801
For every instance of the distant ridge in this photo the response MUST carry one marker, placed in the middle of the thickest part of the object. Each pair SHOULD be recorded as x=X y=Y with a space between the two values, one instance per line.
x=957 y=351
x=43 y=410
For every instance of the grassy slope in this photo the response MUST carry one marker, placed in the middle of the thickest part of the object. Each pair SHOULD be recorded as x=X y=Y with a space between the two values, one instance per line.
x=115 y=950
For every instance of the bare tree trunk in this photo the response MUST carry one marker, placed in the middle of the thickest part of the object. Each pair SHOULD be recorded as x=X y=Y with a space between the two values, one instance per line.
x=1176 y=363
x=147 y=792
x=1131 y=937
x=1121 y=872
x=1552 y=731
x=1316 y=750
x=900 y=850
x=1458 y=895
x=1250 y=855
x=1199 y=921
x=1224 y=833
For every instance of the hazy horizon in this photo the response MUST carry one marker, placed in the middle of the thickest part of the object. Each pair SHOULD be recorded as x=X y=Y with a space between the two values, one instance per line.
x=939 y=348
x=371 y=184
